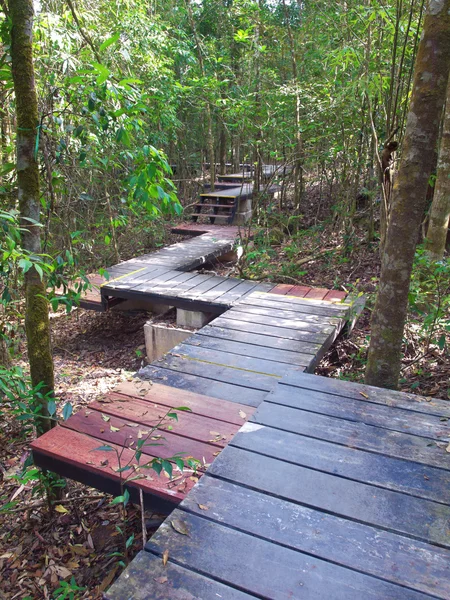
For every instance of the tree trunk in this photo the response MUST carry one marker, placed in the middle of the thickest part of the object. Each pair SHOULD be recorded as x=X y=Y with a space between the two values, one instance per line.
x=440 y=208
x=409 y=196
x=36 y=319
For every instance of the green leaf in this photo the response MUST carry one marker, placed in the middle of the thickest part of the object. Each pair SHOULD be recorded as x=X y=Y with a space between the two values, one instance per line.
x=118 y=500
x=51 y=407
x=67 y=411
x=126 y=497
x=25 y=264
x=105 y=448
x=167 y=466
x=109 y=42
x=129 y=541
x=107 y=240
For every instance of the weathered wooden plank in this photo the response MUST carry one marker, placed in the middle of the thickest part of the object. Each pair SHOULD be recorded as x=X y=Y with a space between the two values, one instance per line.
x=152 y=285
x=422 y=404
x=383 y=471
x=388 y=417
x=203 y=368
x=282 y=289
x=199 y=428
x=244 y=349
x=219 y=291
x=417 y=517
x=127 y=436
x=305 y=349
x=356 y=435
x=224 y=358
x=300 y=305
x=299 y=291
x=204 y=385
x=287 y=315
x=383 y=554
x=237 y=292
x=163 y=395
x=172 y=285
x=146 y=577
x=70 y=449
x=336 y=296
x=274 y=571
x=132 y=280
x=269 y=330
x=204 y=287
x=316 y=293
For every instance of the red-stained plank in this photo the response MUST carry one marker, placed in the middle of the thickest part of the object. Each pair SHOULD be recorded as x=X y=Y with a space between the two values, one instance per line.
x=164 y=445
x=189 y=425
x=300 y=291
x=281 y=289
x=164 y=395
x=335 y=296
x=78 y=450
x=317 y=293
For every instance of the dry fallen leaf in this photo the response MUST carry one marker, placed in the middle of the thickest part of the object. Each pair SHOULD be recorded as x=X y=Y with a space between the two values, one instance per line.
x=114 y=428
x=165 y=557
x=179 y=526
x=105 y=417
x=161 y=579
x=59 y=508
x=203 y=507
x=448 y=448
x=242 y=414
x=365 y=395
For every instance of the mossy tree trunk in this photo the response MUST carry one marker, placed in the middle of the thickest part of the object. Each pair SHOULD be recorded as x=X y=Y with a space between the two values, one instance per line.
x=36 y=320
x=409 y=196
x=440 y=208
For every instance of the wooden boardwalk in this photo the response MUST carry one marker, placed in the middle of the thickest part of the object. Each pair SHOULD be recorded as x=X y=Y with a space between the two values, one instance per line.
x=331 y=490
x=225 y=371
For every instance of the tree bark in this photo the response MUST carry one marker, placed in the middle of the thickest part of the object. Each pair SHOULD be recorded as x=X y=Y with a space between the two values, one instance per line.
x=440 y=208
x=36 y=320
x=409 y=196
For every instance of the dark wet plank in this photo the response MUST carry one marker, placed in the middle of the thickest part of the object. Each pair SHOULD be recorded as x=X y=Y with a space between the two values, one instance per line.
x=250 y=350
x=383 y=554
x=146 y=577
x=262 y=568
x=416 y=517
x=357 y=435
x=222 y=356
x=370 y=394
x=388 y=417
x=359 y=465
x=303 y=349
x=204 y=385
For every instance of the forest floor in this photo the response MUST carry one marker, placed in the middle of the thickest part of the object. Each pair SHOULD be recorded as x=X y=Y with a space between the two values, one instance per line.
x=93 y=352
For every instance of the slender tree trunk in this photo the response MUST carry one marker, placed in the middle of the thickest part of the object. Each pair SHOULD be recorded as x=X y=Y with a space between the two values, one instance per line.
x=440 y=208
x=409 y=196
x=36 y=319
x=209 y=126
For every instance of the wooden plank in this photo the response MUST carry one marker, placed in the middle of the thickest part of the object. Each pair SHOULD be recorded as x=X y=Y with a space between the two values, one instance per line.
x=282 y=289
x=417 y=517
x=336 y=296
x=304 y=349
x=201 y=368
x=300 y=305
x=79 y=451
x=127 y=436
x=288 y=315
x=270 y=330
x=407 y=562
x=383 y=471
x=388 y=417
x=282 y=573
x=204 y=385
x=131 y=281
x=356 y=435
x=222 y=357
x=251 y=350
x=146 y=577
x=174 y=284
x=300 y=291
x=199 y=428
x=316 y=293
x=162 y=395
x=204 y=287
x=238 y=291
x=152 y=285
x=216 y=293
x=371 y=394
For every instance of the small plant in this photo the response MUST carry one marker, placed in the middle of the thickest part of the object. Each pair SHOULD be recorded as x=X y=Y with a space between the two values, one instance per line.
x=134 y=467
x=68 y=589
